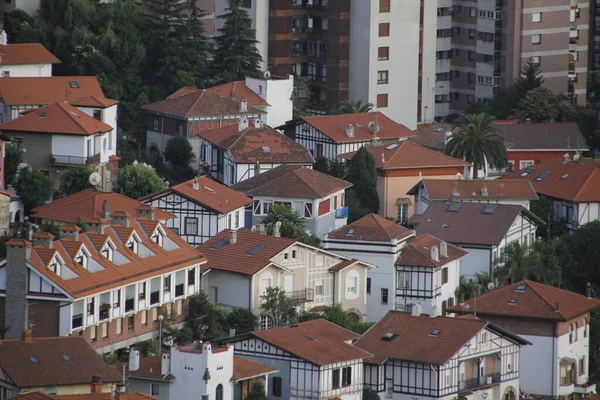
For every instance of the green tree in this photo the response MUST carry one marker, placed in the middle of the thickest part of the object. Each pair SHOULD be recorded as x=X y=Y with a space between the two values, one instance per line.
x=369 y=394
x=474 y=139
x=236 y=56
x=538 y=262
x=75 y=179
x=321 y=164
x=257 y=392
x=12 y=159
x=541 y=105
x=242 y=319
x=33 y=187
x=137 y=180
x=553 y=226
x=179 y=154
x=352 y=107
x=292 y=224
x=206 y=319
x=300 y=96
x=531 y=78
x=468 y=288
x=362 y=172
x=276 y=306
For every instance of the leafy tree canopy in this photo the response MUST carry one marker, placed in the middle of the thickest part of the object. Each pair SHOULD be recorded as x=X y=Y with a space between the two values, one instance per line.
x=292 y=224
x=352 y=107
x=180 y=155
x=257 y=391
x=362 y=172
x=206 y=319
x=280 y=309
x=33 y=187
x=137 y=180
x=76 y=179
x=242 y=319
x=12 y=159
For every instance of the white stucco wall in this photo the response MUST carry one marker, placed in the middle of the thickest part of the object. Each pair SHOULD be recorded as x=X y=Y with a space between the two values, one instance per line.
x=278 y=93
x=26 y=70
x=537 y=365
x=109 y=116
x=233 y=289
x=69 y=145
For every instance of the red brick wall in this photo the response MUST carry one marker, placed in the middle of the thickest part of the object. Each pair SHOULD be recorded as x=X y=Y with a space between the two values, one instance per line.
x=536 y=156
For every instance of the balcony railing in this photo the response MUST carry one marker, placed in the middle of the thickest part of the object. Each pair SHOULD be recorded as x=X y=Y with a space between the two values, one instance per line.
x=63 y=159
x=129 y=305
x=341 y=212
x=77 y=321
x=154 y=297
x=478 y=382
x=104 y=314
x=301 y=296
x=179 y=290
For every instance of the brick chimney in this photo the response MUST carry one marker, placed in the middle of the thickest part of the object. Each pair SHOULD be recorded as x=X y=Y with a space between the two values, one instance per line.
x=45 y=239
x=96 y=384
x=232 y=237
x=18 y=253
x=27 y=335
x=120 y=218
x=105 y=210
x=276 y=229
x=120 y=392
x=97 y=225
x=70 y=231
x=145 y=210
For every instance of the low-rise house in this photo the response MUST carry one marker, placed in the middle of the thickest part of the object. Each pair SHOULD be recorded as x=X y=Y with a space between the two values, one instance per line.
x=572 y=186
x=202 y=208
x=59 y=135
x=400 y=166
x=484 y=230
x=25 y=59
x=120 y=394
x=314 y=360
x=91 y=204
x=318 y=197
x=190 y=111
x=238 y=152
x=432 y=136
x=332 y=135
x=556 y=322
x=108 y=284
x=243 y=264
x=504 y=191
x=196 y=370
x=61 y=365
x=415 y=355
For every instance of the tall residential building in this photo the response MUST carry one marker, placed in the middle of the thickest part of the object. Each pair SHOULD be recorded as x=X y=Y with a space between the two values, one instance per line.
x=482 y=46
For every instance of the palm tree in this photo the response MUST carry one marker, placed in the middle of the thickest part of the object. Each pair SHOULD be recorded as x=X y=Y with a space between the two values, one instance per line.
x=474 y=139
x=352 y=107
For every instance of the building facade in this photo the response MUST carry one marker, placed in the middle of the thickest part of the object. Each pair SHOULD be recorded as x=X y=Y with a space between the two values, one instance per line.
x=25 y=59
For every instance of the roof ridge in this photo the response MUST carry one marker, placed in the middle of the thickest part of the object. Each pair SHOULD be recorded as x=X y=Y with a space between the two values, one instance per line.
x=533 y=287
x=73 y=117
x=195 y=103
x=435 y=152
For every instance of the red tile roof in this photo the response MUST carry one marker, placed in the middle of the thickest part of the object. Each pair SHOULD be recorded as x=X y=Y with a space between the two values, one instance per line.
x=88 y=204
x=57 y=118
x=469 y=189
x=343 y=265
x=372 y=228
x=263 y=145
x=334 y=127
x=247 y=369
x=235 y=258
x=240 y=91
x=572 y=181
x=432 y=136
x=406 y=155
x=86 y=396
x=150 y=368
x=530 y=300
x=210 y=194
x=192 y=103
x=26 y=53
x=51 y=368
x=47 y=90
x=417 y=252
x=292 y=181
x=319 y=342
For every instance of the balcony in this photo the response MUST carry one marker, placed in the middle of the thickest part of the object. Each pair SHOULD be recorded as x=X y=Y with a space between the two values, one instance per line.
x=482 y=381
x=301 y=296
x=104 y=314
x=341 y=212
x=585 y=388
x=317 y=5
x=154 y=297
x=60 y=159
x=77 y=321
x=129 y=304
x=179 y=290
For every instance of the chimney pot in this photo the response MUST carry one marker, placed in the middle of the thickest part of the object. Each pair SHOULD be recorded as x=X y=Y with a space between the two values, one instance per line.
x=105 y=210
x=416 y=310
x=45 y=239
x=232 y=332
x=232 y=237
x=70 y=231
x=145 y=211
x=505 y=281
x=120 y=218
x=557 y=308
x=350 y=130
x=276 y=230
x=588 y=290
x=243 y=106
x=242 y=124
x=195 y=184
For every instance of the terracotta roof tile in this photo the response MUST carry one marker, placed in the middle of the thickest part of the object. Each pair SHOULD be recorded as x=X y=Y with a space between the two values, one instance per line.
x=372 y=228
x=47 y=90
x=432 y=136
x=319 y=342
x=241 y=91
x=88 y=204
x=43 y=235
x=86 y=396
x=57 y=118
x=406 y=155
x=210 y=194
x=262 y=145
x=51 y=368
x=469 y=189
x=235 y=258
x=247 y=369
x=530 y=300
x=556 y=136
x=343 y=264
x=417 y=252
x=292 y=181
x=18 y=242
x=571 y=181
x=26 y=53
x=334 y=126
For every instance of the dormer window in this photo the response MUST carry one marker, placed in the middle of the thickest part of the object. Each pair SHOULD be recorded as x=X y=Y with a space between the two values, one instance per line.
x=158 y=237
x=108 y=251
x=82 y=258
x=133 y=244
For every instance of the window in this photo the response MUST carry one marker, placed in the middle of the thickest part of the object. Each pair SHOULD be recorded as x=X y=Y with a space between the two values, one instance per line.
x=18 y=143
x=237 y=219
x=6 y=74
x=536 y=60
x=402 y=213
x=566 y=374
x=536 y=17
x=368 y=285
x=90 y=306
x=335 y=379
x=444 y=275
x=276 y=386
x=525 y=164
x=471 y=33
x=191 y=225
x=266 y=206
x=130 y=322
x=105 y=330
x=293 y=254
x=384 y=29
x=576 y=330
x=471 y=55
x=403 y=280
x=581 y=366
x=383 y=53
x=98 y=115
x=219 y=392
x=571 y=334
x=585 y=328
x=382 y=100
x=155 y=390
x=483 y=338
x=472 y=12
x=308 y=210
x=167 y=283
x=384 y=296
x=346 y=376
x=384 y=6
x=93 y=333
x=319 y=150
x=382 y=77
x=319 y=288
x=351 y=284
x=536 y=39
x=155 y=124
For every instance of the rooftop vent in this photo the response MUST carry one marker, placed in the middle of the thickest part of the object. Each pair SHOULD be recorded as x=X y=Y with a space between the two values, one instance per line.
x=435 y=332
x=454 y=207
x=218 y=244
x=388 y=337
x=490 y=208
x=255 y=249
x=484 y=190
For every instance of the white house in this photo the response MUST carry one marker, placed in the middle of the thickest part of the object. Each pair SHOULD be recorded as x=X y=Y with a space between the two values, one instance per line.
x=25 y=59
x=556 y=322
x=238 y=152
x=415 y=355
x=243 y=264
x=318 y=197
x=202 y=208
x=484 y=230
x=314 y=359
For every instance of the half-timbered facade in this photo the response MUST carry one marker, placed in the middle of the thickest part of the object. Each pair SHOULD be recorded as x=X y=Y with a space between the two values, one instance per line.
x=202 y=208
x=235 y=153
x=314 y=359
x=441 y=358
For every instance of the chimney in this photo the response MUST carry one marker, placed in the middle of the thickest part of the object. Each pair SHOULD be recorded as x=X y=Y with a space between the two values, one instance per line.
x=461 y=299
x=242 y=124
x=261 y=229
x=45 y=239
x=27 y=335
x=588 y=290
x=258 y=124
x=120 y=392
x=165 y=364
x=484 y=190
x=105 y=210
x=3 y=38
x=145 y=211
x=566 y=158
x=70 y=231
x=276 y=231
x=232 y=237
x=382 y=157
x=243 y=106
x=96 y=384
x=232 y=96
x=350 y=130
x=443 y=249
x=96 y=225
x=416 y=310
x=557 y=308
x=435 y=253
x=120 y=218
x=134 y=359
x=232 y=332
x=18 y=253
x=195 y=184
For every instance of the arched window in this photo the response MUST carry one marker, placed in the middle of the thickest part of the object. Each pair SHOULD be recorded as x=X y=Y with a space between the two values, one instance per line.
x=509 y=395
x=219 y=392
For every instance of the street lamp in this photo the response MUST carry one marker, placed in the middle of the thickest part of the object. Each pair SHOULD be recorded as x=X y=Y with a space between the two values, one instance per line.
x=160 y=321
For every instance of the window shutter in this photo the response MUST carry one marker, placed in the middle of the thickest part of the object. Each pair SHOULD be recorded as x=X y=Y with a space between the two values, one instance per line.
x=384 y=6
x=384 y=29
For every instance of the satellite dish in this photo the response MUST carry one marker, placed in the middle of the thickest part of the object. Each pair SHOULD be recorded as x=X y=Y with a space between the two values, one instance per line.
x=491 y=286
x=577 y=157
x=267 y=75
x=95 y=179
x=254 y=229
x=278 y=224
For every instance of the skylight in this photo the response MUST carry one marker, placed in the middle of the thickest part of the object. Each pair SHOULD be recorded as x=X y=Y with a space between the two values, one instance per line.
x=388 y=337
x=266 y=149
x=42 y=114
x=255 y=249
x=542 y=176
x=454 y=207
x=490 y=208
x=74 y=84
x=351 y=231
x=521 y=287
x=218 y=244
x=34 y=360
x=512 y=301
x=439 y=129
x=527 y=171
x=392 y=146
x=66 y=357
x=435 y=332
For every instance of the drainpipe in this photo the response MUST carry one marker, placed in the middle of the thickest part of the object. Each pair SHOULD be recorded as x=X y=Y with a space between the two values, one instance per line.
x=553 y=361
